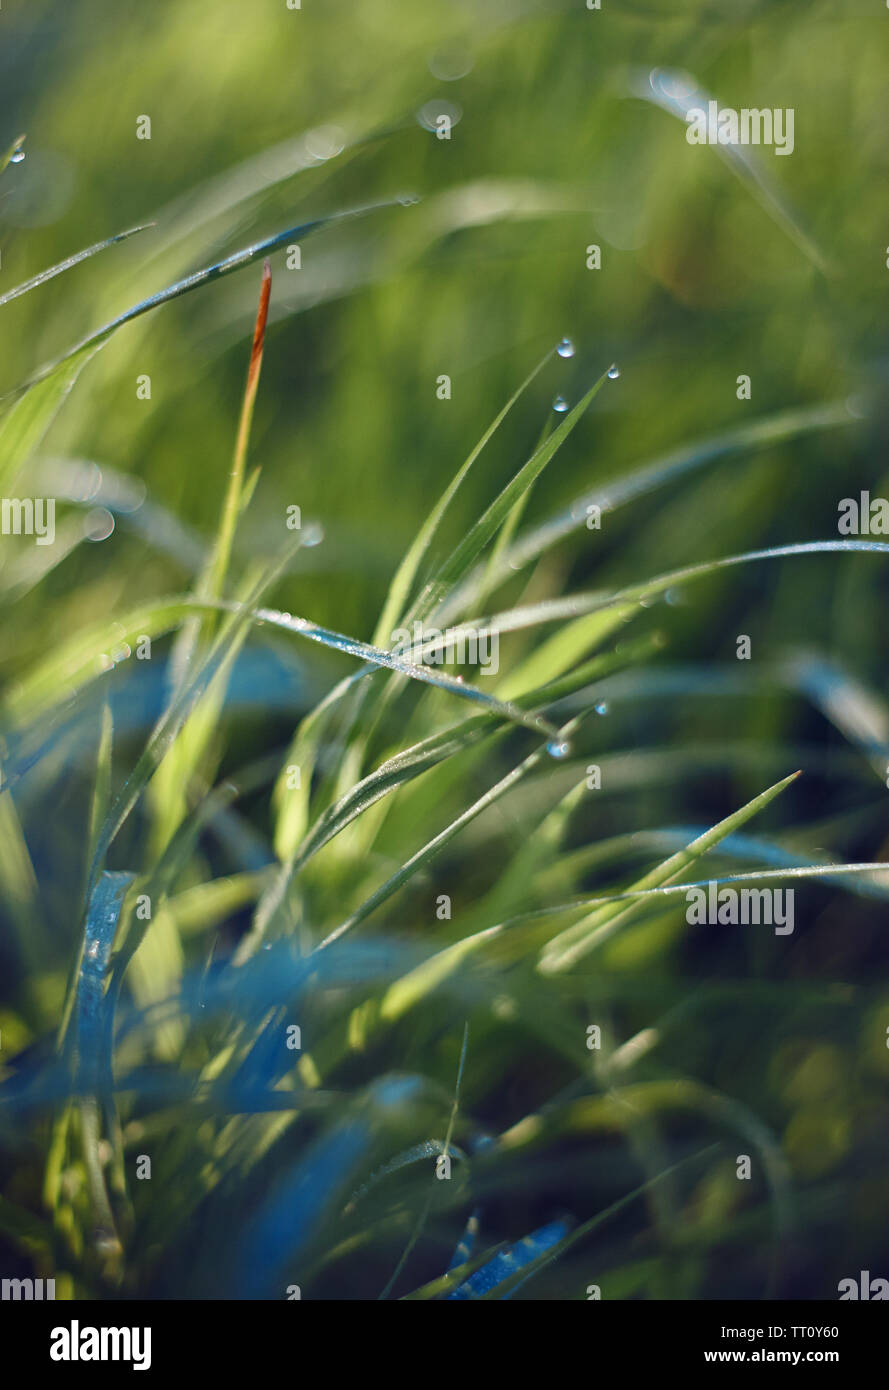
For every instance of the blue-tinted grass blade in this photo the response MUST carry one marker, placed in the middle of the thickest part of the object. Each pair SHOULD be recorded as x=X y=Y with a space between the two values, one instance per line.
x=296 y=1212
x=93 y=1036
x=488 y=1279
x=102 y=917
x=465 y=1246
x=283 y=1237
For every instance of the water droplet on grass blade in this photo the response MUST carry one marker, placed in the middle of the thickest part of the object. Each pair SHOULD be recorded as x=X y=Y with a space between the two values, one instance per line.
x=673 y=86
x=601 y=707
x=98 y=524
x=17 y=157
x=565 y=348
x=560 y=404
x=449 y=64
x=325 y=142
x=614 y=371
x=557 y=748
x=431 y=113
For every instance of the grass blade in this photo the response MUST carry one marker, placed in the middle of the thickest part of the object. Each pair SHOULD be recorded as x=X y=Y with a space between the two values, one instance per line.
x=69 y=262
x=571 y=945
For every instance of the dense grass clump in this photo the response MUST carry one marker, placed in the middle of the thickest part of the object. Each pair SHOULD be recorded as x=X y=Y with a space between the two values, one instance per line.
x=353 y=797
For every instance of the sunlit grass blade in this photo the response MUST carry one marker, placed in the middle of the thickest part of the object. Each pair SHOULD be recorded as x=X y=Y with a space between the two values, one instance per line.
x=427 y=675
x=31 y=408
x=774 y=429
x=102 y=788
x=477 y=537
x=399 y=590
x=395 y=772
x=453 y=570
x=192 y=746
x=571 y=945
x=625 y=599
x=86 y=656
x=433 y=846
x=217 y=271
x=69 y=262
x=212 y=584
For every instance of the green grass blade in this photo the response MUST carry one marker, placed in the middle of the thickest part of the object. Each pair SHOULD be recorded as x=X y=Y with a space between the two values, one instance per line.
x=399 y=590
x=478 y=536
x=680 y=95
x=571 y=945
x=423 y=856
x=31 y=408
x=69 y=262
x=774 y=429
x=547 y=1257
x=6 y=159
x=192 y=746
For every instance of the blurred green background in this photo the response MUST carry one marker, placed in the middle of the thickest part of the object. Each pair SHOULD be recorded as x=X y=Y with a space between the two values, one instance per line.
x=262 y=118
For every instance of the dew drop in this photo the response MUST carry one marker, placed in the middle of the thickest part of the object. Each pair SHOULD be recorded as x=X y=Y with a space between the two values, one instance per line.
x=325 y=142
x=98 y=524
x=558 y=749
x=565 y=348
x=430 y=114
x=560 y=405
x=614 y=371
x=674 y=86
x=17 y=157
x=601 y=707
x=450 y=64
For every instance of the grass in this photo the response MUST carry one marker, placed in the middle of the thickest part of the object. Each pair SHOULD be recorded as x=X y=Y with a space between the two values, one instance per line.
x=289 y=916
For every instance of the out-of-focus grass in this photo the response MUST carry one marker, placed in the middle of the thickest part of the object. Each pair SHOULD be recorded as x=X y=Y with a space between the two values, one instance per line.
x=272 y=1166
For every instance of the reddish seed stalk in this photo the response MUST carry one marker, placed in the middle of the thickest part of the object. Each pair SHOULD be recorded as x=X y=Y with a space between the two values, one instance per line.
x=236 y=477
